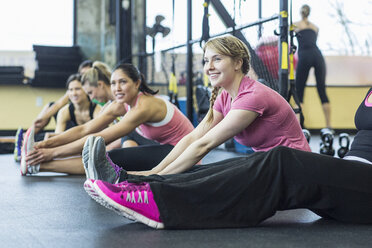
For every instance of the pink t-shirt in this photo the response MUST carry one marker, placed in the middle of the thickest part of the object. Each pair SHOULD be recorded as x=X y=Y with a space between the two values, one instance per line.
x=170 y=130
x=276 y=124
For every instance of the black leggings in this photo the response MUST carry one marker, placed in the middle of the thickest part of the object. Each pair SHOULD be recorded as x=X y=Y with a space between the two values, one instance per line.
x=139 y=139
x=244 y=191
x=307 y=59
x=140 y=158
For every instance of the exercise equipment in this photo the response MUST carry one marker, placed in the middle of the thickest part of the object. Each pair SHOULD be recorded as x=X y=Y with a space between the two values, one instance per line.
x=172 y=87
x=11 y=75
x=292 y=82
x=152 y=32
x=205 y=26
x=326 y=145
x=344 y=142
x=55 y=65
x=203 y=94
x=307 y=134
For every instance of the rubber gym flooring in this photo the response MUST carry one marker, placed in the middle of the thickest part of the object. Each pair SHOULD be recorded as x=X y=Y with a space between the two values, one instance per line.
x=53 y=210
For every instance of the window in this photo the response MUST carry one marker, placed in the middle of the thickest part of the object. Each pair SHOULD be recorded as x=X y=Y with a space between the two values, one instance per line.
x=42 y=22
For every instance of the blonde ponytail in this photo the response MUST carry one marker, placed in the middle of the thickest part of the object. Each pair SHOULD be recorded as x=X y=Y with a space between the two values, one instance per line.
x=211 y=103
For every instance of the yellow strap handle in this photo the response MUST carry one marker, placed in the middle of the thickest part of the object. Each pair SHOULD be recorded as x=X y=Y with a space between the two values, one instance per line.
x=173 y=83
x=205 y=80
x=291 y=67
x=284 y=55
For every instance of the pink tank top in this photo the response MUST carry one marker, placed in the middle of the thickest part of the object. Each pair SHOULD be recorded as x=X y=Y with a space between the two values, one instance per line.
x=170 y=130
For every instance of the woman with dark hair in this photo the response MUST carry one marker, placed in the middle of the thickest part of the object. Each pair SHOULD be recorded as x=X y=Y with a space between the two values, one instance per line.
x=156 y=118
x=80 y=110
x=52 y=108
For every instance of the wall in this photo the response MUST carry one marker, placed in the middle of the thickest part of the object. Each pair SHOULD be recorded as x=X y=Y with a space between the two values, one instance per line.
x=20 y=58
x=21 y=104
x=96 y=36
x=344 y=103
x=346 y=71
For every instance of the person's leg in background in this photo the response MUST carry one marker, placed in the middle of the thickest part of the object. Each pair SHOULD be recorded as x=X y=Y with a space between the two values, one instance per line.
x=302 y=74
x=320 y=76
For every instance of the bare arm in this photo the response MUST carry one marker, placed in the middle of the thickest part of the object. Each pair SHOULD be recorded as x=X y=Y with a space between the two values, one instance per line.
x=97 y=124
x=62 y=118
x=128 y=123
x=97 y=111
x=43 y=119
x=233 y=123
x=185 y=142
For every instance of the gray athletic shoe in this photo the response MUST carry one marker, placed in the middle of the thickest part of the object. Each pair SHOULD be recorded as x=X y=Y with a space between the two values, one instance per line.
x=100 y=166
x=87 y=157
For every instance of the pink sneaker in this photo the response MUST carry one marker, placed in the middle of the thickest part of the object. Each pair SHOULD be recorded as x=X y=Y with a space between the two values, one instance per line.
x=89 y=188
x=133 y=199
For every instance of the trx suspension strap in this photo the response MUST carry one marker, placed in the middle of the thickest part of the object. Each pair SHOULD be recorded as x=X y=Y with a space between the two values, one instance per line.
x=292 y=82
x=283 y=49
x=205 y=35
x=172 y=88
x=205 y=25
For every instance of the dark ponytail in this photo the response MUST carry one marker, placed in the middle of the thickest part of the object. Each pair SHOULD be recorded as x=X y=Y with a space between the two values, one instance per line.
x=133 y=73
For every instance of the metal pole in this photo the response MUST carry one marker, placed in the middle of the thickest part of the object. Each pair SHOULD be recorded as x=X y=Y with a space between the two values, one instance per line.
x=153 y=61
x=118 y=29
x=259 y=17
x=123 y=30
x=189 y=86
x=227 y=31
x=74 y=27
x=283 y=49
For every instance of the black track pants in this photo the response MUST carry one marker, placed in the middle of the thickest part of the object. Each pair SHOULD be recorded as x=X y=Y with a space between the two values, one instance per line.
x=140 y=157
x=244 y=191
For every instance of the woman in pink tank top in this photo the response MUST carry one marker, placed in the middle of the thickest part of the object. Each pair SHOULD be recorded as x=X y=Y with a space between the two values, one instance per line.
x=160 y=122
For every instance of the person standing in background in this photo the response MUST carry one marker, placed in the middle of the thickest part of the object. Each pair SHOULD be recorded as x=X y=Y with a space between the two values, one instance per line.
x=310 y=56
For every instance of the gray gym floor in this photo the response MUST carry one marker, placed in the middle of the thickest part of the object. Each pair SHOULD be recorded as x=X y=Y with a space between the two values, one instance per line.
x=53 y=210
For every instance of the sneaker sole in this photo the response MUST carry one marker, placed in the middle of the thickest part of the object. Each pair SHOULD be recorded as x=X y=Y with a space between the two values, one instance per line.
x=89 y=188
x=124 y=210
x=24 y=148
x=97 y=152
x=87 y=158
x=18 y=145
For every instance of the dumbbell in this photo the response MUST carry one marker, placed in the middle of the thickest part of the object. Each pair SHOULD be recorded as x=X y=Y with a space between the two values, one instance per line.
x=344 y=142
x=307 y=134
x=326 y=145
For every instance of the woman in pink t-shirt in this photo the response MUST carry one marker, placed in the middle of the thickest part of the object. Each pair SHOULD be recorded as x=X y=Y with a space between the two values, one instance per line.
x=160 y=122
x=254 y=114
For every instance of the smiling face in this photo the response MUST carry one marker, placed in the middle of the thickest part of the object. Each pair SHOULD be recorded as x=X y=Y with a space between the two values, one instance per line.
x=221 y=69
x=76 y=92
x=123 y=87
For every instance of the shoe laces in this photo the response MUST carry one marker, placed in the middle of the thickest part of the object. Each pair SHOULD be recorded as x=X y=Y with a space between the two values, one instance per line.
x=117 y=168
x=130 y=189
